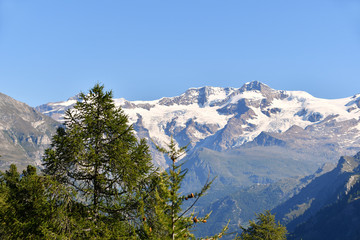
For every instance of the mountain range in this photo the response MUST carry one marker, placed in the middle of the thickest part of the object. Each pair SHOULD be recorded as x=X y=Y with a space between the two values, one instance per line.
x=222 y=119
x=268 y=148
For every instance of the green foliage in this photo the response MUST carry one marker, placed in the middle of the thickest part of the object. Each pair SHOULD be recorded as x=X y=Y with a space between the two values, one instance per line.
x=98 y=154
x=163 y=215
x=34 y=207
x=264 y=228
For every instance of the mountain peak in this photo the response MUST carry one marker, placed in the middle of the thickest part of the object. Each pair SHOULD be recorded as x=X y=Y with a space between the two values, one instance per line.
x=254 y=85
x=76 y=97
x=202 y=96
x=348 y=164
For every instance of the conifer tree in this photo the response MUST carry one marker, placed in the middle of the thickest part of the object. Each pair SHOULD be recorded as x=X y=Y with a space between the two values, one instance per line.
x=165 y=218
x=34 y=207
x=264 y=228
x=97 y=153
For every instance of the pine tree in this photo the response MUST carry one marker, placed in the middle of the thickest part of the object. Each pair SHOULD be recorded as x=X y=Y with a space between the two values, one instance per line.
x=97 y=153
x=264 y=228
x=163 y=215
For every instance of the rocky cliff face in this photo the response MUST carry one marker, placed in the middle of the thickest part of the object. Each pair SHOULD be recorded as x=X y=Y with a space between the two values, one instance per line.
x=24 y=133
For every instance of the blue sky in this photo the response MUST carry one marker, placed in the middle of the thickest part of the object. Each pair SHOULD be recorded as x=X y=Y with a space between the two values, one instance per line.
x=147 y=49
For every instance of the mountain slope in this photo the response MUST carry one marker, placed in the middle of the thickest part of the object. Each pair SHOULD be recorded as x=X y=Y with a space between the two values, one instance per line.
x=338 y=221
x=239 y=205
x=24 y=133
x=244 y=167
x=322 y=191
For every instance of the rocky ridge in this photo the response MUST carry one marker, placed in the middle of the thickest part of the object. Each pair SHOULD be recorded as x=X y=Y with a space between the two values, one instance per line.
x=24 y=133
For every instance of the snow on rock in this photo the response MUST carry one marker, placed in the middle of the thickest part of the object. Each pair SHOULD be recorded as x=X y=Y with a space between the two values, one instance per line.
x=228 y=116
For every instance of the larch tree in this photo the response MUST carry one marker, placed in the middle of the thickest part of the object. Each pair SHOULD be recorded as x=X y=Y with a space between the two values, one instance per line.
x=97 y=153
x=164 y=214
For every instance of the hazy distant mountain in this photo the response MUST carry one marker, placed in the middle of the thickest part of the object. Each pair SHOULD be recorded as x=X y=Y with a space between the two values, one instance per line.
x=24 y=133
x=337 y=221
x=327 y=197
x=227 y=118
x=324 y=205
x=240 y=206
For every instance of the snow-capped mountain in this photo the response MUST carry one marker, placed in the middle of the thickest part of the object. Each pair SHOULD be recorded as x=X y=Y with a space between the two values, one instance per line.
x=226 y=118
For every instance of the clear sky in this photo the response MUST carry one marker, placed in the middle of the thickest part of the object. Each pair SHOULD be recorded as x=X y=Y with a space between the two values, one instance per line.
x=147 y=49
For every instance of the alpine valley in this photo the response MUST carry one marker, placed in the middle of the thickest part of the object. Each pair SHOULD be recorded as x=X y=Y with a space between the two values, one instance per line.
x=267 y=148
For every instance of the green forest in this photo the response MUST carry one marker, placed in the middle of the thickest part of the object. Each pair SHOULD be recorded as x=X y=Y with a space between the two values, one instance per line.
x=97 y=181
